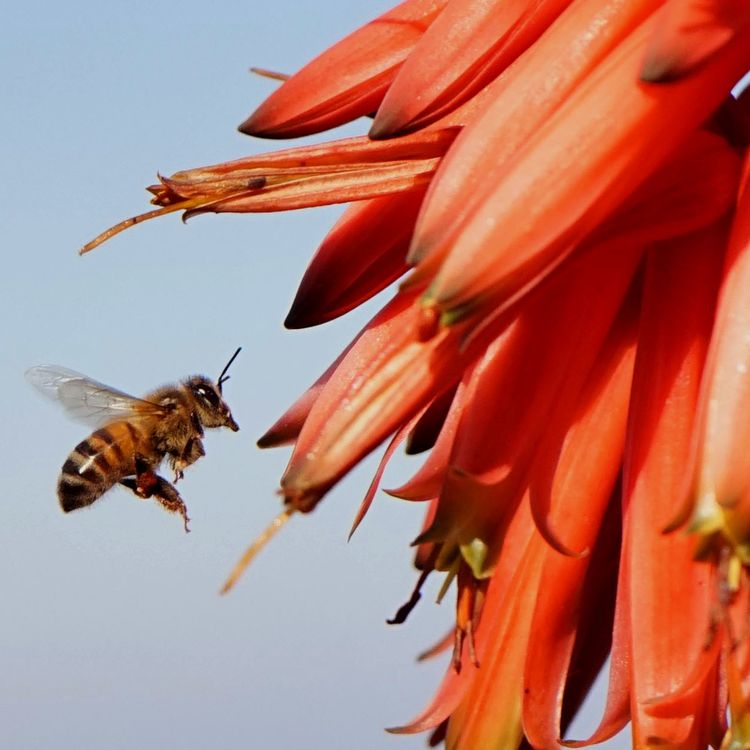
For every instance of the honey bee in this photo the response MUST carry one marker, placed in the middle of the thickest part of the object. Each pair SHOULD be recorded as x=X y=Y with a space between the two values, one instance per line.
x=134 y=435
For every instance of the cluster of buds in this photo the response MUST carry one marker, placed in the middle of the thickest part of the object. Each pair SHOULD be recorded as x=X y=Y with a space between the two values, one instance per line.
x=563 y=188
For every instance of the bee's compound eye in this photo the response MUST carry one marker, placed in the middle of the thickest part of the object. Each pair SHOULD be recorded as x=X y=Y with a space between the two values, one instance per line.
x=206 y=394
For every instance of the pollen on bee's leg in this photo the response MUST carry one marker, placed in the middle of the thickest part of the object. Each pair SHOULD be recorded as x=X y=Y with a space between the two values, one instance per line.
x=167 y=496
x=143 y=486
x=146 y=484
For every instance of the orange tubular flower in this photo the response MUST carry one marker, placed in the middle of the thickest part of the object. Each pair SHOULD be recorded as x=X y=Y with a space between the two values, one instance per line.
x=342 y=83
x=566 y=185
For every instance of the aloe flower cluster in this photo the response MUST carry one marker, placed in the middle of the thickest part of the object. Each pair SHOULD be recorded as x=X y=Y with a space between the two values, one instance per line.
x=563 y=189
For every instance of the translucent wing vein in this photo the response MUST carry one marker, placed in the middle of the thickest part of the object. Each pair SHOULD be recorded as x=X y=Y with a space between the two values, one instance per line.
x=87 y=400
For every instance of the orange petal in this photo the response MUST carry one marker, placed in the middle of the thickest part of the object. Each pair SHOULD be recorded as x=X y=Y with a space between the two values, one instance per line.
x=585 y=604
x=738 y=735
x=565 y=181
x=722 y=475
x=596 y=618
x=489 y=714
x=702 y=697
x=387 y=376
x=617 y=709
x=351 y=169
x=346 y=81
x=738 y=660
x=580 y=491
x=516 y=105
x=253 y=176
x=466 y=47
x=426 y=554
x=663 y=576
x=697 y=186
x=426 y=483
x=584 y=422
x=689 y=33
x=287 y=427
x=397 y=439
x=557 y=337
x=529 y=377
x=425 y=432
x=451 y=691
x=363 y=253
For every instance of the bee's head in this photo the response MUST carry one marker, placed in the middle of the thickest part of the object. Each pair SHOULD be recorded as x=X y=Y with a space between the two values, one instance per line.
x=210 y=407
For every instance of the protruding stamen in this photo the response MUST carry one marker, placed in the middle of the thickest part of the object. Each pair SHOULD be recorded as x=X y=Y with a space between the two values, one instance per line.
x=257 y=545
x=405 y=609
x=272 y=74
x=132 y=221
x=466 y=612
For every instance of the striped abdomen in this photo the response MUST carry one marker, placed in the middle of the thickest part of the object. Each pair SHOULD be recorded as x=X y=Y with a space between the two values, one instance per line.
x=97 y=463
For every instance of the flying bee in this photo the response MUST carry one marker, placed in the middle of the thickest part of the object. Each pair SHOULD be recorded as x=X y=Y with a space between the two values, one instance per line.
x=134 y=435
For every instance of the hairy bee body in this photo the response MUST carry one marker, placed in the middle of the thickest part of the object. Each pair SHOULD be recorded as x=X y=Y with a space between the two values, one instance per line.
x=136 y=434
x=100 y=461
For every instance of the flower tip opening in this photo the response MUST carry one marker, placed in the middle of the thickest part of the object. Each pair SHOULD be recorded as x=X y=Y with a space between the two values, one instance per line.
x=262 y=124
x=416 y=252
x=296 y=319
x=399 y=730
x=304 y=313
x=286 y=429
x=455 y=315
x=301 y=498
x=659 y=69
x=391 y=123
x=248 y=127
x=543 y=524
x=438 y=648
x=384 y=127
x=269 y=439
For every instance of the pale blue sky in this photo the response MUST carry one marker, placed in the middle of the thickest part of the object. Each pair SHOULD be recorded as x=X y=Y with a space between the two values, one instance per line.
x=112 y=634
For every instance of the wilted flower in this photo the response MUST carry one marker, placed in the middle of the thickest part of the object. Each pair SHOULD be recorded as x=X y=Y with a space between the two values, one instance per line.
x=566 y=185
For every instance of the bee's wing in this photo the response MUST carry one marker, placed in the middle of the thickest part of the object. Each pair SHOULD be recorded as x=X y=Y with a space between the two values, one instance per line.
x=87 y=400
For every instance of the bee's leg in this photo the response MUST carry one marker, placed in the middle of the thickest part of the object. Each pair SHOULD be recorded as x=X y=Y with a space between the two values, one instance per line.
x=177 y=465
x=167 y=496
x=146 y=480
x=193 y=451
x=131 y=484
x=147 y=484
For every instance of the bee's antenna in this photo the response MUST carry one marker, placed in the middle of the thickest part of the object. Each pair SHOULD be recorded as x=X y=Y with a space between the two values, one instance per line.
x=224 y=377
x=257 y=545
